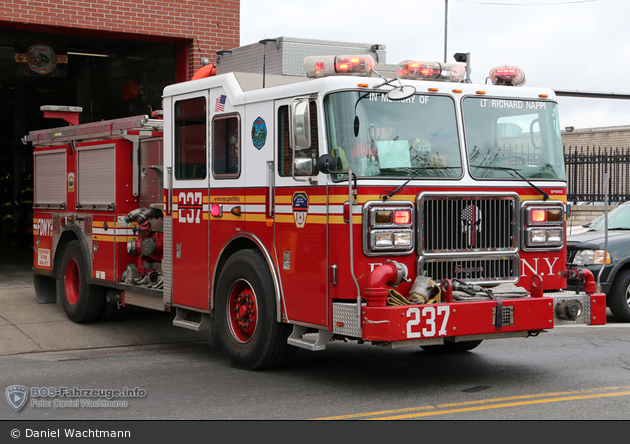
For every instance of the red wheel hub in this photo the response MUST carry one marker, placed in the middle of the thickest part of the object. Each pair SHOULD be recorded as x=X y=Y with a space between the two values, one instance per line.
x=72 y=281
x=242 y=313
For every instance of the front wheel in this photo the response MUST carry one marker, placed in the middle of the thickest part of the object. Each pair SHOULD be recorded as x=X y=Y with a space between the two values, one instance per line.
x=81 y=301
x=246 y=314
x=452 y=347
x=618 y=299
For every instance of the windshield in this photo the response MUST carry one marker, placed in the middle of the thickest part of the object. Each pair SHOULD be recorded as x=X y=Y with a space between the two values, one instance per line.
x=504 y=134
x=618 y=219
x=376 y=137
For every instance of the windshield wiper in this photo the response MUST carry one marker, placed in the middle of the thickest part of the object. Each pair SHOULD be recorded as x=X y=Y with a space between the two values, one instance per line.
x=416 y=174
x=514 y=170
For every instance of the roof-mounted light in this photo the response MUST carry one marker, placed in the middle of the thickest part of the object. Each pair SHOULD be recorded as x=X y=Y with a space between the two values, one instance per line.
x=320 y=66
x=445 y=72
x=507 y=75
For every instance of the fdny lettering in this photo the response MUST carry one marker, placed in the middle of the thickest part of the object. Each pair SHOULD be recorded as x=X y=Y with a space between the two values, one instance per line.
x=190 y=206
x=43 y=227
x=517 y=104
x=525 y=265
x=373 y=266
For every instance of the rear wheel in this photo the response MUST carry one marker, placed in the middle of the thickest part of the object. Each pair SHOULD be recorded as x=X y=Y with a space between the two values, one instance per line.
x=618 y=299
x=246 y=314
x=81 y=301
x=452 y=347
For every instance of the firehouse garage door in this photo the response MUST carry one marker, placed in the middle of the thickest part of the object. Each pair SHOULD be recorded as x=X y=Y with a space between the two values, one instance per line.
x=107 y=78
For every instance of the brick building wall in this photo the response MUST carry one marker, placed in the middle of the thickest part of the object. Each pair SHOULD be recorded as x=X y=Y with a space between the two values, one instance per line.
x=209 y=25
x=610 y=137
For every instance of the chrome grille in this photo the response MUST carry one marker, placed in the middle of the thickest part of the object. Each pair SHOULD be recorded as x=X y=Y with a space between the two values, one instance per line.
x=471 y=237
x=468 y=224
x=479 y=270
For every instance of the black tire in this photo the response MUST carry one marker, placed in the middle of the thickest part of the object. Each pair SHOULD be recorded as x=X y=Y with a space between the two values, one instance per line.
x=81 y=301
x=245 y=314
x=452 y=347
x=618 y=299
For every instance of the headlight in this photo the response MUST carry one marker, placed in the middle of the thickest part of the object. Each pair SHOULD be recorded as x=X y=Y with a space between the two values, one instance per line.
x=591 y=257
x=388 y=228
x=543 y=225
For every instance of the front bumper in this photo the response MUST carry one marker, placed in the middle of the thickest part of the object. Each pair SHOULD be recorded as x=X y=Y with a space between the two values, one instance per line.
x=428 y=324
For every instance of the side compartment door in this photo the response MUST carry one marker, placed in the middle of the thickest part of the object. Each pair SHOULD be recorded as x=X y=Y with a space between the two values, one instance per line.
x=190 y=200
x=301 y=225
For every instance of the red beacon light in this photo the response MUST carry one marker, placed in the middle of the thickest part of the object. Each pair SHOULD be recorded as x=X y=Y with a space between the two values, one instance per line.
x=507 y=75
x=321 y=66
x=445 y=72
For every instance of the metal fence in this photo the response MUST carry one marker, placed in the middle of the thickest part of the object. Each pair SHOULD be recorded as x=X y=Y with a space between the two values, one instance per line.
x=586 y=168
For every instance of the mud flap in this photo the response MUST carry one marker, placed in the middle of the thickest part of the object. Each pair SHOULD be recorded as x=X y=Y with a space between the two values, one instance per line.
x=45 y=289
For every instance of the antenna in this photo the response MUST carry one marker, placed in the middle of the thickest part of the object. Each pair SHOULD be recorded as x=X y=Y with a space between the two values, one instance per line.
x=264 y=43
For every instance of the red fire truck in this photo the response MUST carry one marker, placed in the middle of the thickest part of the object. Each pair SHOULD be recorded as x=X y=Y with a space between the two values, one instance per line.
x=300 y=195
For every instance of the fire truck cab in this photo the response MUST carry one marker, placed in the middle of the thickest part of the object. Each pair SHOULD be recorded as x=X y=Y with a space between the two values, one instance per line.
x=302 y=195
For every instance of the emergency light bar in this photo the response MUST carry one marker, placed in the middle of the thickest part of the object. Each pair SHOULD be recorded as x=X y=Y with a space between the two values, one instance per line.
x=321 y=66
x=416 y=70
x=507 y=75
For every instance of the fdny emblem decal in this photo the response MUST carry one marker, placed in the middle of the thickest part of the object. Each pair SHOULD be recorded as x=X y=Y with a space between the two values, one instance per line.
x=70 y=182
x=41 y=59
x=471 y=222
x=300 y=208
x=16 y=396
x=259 y=133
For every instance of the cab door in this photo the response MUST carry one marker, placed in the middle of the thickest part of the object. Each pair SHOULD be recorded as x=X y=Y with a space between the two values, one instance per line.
x=190 y=200
x=301 y=223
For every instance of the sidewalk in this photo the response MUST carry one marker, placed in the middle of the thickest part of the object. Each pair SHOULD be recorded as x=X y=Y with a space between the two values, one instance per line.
x=26 y=326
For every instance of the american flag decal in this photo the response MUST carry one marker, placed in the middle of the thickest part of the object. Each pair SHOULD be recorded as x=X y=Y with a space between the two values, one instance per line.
x=471 y=222
x=219 y=105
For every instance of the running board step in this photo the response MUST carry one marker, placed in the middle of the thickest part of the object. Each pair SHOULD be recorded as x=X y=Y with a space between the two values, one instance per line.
x=191 y=320
x=298 y=340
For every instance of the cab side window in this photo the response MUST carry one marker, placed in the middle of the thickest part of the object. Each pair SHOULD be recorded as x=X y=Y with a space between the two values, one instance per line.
x=190 y=139
x=285 y=153
x=226 y=147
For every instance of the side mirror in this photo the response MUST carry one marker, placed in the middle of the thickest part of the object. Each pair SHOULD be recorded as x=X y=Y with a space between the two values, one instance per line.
x=326 y=163
x=303 y=166
x=300 y=124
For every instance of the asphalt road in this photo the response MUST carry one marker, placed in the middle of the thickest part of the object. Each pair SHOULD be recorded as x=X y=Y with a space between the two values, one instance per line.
x=568 y=373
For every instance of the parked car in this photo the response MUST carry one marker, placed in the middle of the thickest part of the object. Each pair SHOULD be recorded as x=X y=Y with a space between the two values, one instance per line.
x=587 y=250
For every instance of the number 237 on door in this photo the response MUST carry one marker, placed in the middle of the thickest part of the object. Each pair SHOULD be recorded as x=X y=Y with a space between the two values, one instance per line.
x=427 y=321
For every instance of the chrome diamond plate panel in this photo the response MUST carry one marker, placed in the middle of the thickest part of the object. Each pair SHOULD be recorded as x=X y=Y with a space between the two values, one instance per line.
x=585 y=301
x=167 y=261
x=286 y=55
x=346 y=320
